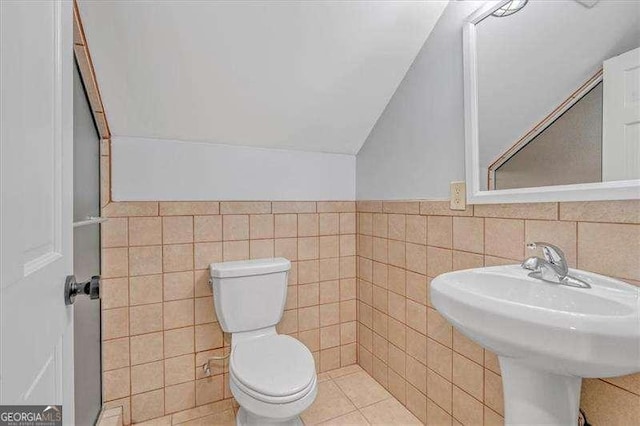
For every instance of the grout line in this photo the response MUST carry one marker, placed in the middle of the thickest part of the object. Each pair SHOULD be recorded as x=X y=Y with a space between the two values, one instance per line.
x=129 y=309
x=617 y=386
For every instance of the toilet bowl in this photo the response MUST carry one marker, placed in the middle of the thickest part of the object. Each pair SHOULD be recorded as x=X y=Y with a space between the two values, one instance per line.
x=271 y=376
x=273 y=379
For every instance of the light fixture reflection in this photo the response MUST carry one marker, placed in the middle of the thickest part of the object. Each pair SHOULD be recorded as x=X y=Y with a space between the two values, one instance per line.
x=509 y=8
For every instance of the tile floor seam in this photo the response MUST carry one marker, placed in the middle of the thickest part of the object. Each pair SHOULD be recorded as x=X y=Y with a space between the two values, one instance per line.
x=333 y=418
x=604 y=379
x=345 y=414
x=374 y=403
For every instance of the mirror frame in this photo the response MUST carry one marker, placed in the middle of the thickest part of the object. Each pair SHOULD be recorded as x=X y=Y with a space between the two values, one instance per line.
x=613 y=190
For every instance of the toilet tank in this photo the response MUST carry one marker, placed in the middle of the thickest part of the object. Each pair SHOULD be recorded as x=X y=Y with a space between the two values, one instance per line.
x=249 y=294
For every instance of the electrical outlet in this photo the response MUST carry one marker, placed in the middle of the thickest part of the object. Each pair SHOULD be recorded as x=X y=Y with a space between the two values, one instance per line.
x=458 y=196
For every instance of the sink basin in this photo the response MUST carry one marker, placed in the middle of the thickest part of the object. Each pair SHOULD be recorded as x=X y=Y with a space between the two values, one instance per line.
x=547 y=336
x=582 y=332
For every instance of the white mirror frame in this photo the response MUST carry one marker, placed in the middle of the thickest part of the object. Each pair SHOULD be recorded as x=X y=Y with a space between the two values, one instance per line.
x=614 y=190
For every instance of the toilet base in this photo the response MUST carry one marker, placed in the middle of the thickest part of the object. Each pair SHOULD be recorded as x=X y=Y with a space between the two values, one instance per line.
x=245 y=418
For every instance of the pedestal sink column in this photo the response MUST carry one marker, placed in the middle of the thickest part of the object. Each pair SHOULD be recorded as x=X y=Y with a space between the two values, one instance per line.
x=533 y=396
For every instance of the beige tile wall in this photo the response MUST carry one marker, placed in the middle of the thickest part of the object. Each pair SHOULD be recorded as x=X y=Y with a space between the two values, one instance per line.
x=441 y=376
x=159 y=324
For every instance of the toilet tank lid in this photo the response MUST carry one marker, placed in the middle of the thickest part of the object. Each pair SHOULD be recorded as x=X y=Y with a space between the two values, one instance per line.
x=244 y=268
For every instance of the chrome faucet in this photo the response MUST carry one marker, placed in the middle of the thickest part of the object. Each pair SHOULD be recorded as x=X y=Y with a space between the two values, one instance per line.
x=553 y=268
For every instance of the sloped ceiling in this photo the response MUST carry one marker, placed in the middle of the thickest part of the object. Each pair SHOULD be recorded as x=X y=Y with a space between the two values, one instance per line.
x=307 y=75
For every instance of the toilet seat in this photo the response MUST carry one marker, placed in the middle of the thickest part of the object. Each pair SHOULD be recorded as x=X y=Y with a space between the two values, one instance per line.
x=272 y=399
x=274 y=369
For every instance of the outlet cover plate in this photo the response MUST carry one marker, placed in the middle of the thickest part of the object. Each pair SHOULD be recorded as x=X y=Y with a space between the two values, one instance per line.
x=458 y=196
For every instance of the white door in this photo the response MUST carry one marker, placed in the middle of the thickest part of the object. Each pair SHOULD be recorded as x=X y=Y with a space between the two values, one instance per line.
x=621 y=117
x=36 y=149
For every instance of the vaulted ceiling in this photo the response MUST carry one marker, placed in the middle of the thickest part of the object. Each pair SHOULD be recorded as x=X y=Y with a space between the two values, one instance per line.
x=307 y=75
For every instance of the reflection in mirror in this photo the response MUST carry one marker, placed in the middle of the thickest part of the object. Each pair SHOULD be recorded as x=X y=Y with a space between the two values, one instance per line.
x=566 y=150
x=558 y=93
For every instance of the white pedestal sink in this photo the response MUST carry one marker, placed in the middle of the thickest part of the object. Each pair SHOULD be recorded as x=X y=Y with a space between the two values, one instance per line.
x=547 y=336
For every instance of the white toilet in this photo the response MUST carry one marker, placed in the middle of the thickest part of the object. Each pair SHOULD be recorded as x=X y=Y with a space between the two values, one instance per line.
x=272 y=376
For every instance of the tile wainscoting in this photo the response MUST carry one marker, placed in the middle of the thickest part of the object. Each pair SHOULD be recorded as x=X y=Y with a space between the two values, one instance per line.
x=158 y=319
x=159 y=325
x=441 y=376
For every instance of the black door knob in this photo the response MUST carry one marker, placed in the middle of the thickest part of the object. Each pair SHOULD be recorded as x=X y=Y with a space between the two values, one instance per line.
x=89 y=288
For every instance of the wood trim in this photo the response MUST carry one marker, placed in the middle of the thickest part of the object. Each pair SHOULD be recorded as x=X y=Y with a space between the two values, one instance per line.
x=88 y=75
x=105 y=172
x=541 y=126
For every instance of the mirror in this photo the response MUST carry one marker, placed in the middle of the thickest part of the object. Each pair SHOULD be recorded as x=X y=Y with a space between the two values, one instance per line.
x=552 y=99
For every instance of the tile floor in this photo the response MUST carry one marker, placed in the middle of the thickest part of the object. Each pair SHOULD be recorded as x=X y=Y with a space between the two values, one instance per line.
x=346 y=396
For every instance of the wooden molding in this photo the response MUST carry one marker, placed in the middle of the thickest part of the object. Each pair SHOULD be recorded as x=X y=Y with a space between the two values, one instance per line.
x=88 y=75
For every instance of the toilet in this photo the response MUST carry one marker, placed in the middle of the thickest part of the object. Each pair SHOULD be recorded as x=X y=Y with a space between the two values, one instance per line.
x=271 y=376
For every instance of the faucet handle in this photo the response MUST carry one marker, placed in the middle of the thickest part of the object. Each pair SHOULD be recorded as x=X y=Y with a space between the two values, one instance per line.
x=532 y=263
x=553 y=254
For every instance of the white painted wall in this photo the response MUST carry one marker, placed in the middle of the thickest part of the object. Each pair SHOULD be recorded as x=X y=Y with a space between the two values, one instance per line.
x=310 y=75
x=417 y=146
x=156 y=169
